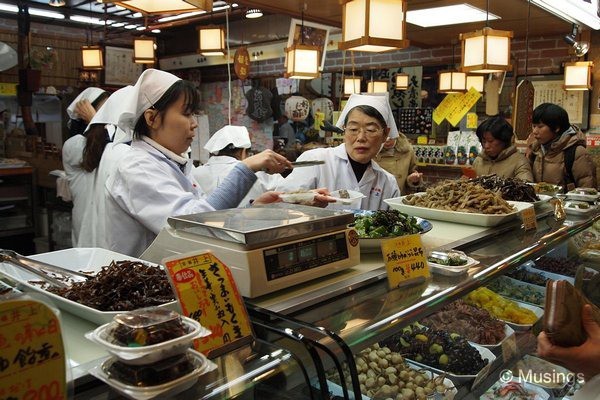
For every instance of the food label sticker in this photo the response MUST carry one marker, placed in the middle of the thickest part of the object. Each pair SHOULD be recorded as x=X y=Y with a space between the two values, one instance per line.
x=509 y=348
x=405 y=260
x=32 y=355
x=529 y=219
x=207 y=293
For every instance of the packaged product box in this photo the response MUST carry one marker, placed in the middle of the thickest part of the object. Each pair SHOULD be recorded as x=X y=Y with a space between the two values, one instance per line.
x=450 y=151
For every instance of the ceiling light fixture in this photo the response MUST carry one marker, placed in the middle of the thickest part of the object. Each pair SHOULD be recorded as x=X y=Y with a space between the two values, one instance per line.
x=476 y=82
x=377 y=86
x=579 y=47
x=91 y=56
x=447 y=15
x=211 y=41
x=402 y=81
x=152 y=7
x=373 y=25
x=302 y=60
x=486 y=50
x=144 y=50
x=56 y=3
x=578 y=75
x=254 y=13
x=452 y=81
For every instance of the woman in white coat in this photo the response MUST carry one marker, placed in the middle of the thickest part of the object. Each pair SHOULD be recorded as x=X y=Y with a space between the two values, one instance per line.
x=367 y=122
x=154 y=181
x=80 y=179
x=227 y=147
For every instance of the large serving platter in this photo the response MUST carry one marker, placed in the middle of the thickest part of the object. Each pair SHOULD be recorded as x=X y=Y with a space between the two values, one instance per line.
x=457 y=216
x=76 y=259
x=369 y=245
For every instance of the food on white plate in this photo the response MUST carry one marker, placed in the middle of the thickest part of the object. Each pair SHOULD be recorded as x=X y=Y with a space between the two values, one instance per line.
x=385 y=223
x=500 y=307
x=451 y=258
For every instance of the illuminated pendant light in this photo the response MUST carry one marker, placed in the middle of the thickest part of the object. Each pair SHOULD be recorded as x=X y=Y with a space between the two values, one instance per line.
x=302 y=60
x=211 y=41
x=475 y=81
x=452 y=81
x=402 y=81
x=377 y=87
x=486 y=50
x=150 y=7
x=578 y=75
x=351 y=86
x=144 y=50
x=92 y=57
x=373 y=25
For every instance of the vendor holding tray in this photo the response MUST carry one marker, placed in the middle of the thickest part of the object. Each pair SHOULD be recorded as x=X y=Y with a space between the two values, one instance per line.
x=367 y=121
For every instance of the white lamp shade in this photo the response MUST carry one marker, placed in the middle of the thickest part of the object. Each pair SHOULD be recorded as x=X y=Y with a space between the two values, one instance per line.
x=92 y=57
x=475 y=81
x=402 y=81
x=578 y=75
x=452 y=82
x=164 y=6
x=377 y=87
x=143 y=51
x=486 y=51
x=211 y=41
x=351 y=86
x=373 y=25
x=302 y=61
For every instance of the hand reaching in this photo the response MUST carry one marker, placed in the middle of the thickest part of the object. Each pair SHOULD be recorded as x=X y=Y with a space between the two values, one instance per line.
x=85 y=110
x=268 y=161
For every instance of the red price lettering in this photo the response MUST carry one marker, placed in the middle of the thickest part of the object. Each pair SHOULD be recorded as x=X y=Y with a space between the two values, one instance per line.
x=45 y=392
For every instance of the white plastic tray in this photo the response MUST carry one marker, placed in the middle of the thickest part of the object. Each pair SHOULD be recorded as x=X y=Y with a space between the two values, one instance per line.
x=576 y=195
x=515 y=282
x=302 y=197
x=449 y=270
x=508 y=332
x=536 y=393
x=149 y=354
x=550 y=275
x=538 y=311
x=456 y=216
x=354 y=197
x=76 y=259
x=543 y=198
x=369 y=245
x=486 y=354
x=578 y=211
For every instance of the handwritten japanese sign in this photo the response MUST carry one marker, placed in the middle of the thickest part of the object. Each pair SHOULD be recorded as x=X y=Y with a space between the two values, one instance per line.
x=32 y=356
x=462 y=106
x=207 y=293
x=404 y=259
x=529 y=219
x=444 y=108
x=241 y=63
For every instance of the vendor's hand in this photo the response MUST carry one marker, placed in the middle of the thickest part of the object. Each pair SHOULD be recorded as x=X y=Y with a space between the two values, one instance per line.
x=415 y=177
x=268 y=161
x=322 y=198
x=267 y=198
x=85 y=110
x=579 y=359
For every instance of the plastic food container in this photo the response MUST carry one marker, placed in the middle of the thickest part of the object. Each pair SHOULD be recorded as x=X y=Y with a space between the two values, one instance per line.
x=346 y=196
x=450 y=263
x=158 y=380
x=147 y=335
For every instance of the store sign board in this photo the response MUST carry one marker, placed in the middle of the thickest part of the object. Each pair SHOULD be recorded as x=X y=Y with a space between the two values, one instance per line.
x=444 y=108
x=462 y=106
x=32 y=356
x=207 y=293
x=241 y=63
x=405 y=260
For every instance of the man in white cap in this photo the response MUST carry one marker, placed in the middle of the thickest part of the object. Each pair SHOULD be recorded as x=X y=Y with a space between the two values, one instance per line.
x=228 y=147
x=154 y=181
x=367 y=121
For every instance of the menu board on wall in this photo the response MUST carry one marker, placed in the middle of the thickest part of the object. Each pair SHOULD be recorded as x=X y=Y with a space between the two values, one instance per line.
x=575 y=102
x=120 y=68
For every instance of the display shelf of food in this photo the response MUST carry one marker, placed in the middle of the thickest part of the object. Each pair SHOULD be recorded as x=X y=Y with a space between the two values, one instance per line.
x=358 y=308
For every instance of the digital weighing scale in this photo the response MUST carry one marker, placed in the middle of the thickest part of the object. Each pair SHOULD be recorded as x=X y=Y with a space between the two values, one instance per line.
x=266 y=247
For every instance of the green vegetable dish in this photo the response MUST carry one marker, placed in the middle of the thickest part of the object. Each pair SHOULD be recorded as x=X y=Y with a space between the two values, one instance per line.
x=388 y=223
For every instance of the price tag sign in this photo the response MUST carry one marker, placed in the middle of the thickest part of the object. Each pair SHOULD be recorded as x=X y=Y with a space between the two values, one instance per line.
x=207 y=293
x=462 y=106
x=529 y=219
x=32 y=355
x=405 y=260
x=471 y=120
x=444 y=108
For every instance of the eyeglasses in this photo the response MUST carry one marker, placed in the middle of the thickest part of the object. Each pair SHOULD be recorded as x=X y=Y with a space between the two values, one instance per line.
x=369 y=131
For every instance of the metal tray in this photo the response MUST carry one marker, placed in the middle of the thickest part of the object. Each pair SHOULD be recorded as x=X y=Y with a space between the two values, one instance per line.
x=263 y=224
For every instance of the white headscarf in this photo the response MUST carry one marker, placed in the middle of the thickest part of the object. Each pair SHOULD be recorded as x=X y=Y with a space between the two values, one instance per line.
x=229 y=134
x=379 y=101
x=110 y=112
x=91 y=94
x=148 y=89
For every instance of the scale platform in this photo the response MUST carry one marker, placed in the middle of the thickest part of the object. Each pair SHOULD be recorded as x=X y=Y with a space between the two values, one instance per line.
x=267 y=247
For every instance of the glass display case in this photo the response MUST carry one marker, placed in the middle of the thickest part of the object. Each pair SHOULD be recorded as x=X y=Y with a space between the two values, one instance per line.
x=361 y=315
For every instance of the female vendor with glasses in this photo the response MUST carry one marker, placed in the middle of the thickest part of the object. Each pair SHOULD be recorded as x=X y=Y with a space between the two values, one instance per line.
x=367 y=121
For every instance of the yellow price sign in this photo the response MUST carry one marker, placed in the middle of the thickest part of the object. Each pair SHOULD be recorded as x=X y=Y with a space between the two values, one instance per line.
x=529 y=219
x=463 y=104
x=405 y=260
x=444 y=108
x=207 y=293
x=471 y=120
x=32 y=356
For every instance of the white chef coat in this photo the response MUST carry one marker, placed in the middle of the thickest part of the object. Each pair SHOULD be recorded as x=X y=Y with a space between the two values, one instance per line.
x=147 y=188
x=376 y=183
x=80 y=182
x=93 y=230
x=211 y=174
